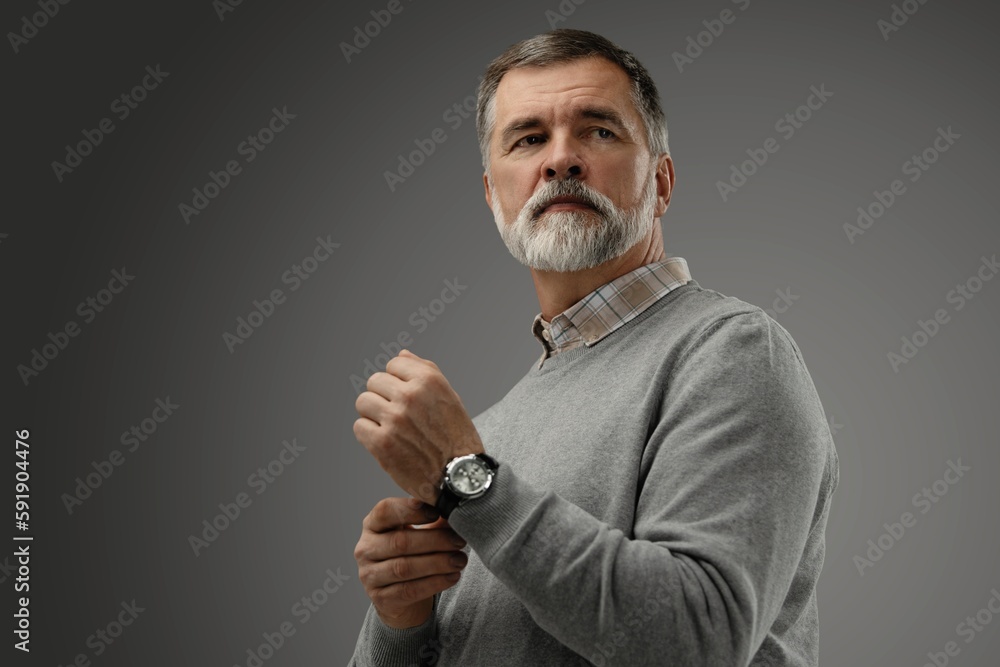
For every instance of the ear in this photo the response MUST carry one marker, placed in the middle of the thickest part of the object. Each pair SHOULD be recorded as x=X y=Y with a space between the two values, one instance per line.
x=664 y=183
x=486 y=187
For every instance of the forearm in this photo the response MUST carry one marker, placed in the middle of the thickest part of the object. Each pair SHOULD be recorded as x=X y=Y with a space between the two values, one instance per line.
x=610 y=599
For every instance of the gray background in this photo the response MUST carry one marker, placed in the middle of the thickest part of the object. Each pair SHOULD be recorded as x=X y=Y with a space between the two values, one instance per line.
x=324 y=175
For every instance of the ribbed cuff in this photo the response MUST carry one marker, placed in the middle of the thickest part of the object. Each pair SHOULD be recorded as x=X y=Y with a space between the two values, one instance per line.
x=488 y=522
x=395 y=647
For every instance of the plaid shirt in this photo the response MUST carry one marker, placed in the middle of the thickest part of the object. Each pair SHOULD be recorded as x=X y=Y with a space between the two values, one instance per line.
x=609 y=306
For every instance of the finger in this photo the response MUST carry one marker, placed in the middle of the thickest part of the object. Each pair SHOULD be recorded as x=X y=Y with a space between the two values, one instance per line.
x=407 y=368
x=409 y=568
x=411 y=542
x=371 y=405
x=414 y=590
x=365 y=431
x=392 y=513
x=419 y=358
x=385 y=385
x=438 y=523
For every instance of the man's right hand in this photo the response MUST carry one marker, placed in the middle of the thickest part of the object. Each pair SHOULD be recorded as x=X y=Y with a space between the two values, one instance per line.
x=402 y=567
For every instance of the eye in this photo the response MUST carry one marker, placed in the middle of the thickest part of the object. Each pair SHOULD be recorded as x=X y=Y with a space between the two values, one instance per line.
x=526 y=141
x=604 y=133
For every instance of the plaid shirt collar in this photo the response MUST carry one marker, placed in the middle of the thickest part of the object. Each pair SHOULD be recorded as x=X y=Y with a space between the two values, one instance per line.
x=609 y=307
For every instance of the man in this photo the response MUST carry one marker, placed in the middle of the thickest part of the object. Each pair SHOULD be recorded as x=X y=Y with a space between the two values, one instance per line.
x=655 y=489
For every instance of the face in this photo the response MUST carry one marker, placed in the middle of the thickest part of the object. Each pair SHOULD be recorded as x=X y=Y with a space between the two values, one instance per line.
x=572 y=182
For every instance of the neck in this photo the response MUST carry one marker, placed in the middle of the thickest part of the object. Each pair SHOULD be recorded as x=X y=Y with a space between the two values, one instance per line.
x=558 y=290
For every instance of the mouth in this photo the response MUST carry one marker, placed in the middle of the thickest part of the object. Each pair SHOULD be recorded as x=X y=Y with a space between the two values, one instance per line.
x=565 y=203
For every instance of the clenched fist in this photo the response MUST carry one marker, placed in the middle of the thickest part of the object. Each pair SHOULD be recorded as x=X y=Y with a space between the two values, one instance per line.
x=413 y=422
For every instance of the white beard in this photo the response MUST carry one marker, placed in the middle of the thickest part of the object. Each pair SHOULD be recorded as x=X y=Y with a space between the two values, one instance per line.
x=577 y=239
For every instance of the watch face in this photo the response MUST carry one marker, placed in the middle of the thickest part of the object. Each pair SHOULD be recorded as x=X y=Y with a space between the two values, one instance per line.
x=469 y=477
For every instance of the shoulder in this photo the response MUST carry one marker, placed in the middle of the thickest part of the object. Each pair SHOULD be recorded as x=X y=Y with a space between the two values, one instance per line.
x=699 y=320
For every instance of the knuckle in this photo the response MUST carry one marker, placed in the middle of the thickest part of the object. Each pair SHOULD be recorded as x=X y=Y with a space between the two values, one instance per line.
x=365 y=576
x=378 y=514
x=391 y=413
x=399 y=542
x=405 y=399
x=366 y=523
x=402 y=568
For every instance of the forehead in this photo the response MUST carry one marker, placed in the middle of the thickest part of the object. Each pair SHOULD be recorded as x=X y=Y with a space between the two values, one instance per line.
x=563 y=88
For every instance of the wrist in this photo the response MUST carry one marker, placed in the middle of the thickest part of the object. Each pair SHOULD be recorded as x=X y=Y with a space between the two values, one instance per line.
x=465 y=478
x=410 y=619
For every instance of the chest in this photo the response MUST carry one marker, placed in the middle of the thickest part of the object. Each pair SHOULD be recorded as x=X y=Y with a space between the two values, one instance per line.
x=586 y=447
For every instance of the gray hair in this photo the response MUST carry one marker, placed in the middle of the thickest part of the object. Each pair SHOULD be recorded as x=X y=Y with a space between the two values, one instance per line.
x=561 y=46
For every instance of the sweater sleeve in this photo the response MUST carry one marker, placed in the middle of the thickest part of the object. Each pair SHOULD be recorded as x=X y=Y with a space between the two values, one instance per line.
x=382 y=646
x=736 y=473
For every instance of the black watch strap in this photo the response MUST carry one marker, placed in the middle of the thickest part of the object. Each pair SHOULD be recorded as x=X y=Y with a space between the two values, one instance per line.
x=448 y=500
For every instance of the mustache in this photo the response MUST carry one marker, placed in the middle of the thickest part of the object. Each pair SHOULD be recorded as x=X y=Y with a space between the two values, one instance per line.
x=566 y=188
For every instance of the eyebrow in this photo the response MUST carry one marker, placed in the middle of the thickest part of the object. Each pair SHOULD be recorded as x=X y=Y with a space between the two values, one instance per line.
x=606 y=114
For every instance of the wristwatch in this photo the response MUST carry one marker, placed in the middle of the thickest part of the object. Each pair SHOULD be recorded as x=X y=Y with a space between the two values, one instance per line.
x=465 y=478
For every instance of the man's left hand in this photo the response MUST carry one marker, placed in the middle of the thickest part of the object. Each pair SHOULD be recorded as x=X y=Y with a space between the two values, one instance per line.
x=413 y=423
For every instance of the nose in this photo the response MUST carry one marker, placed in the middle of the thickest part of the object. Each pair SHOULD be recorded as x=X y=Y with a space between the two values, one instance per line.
x=563 y=159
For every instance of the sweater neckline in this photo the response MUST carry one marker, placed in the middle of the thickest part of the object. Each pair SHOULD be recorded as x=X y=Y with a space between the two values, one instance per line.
x=565 y=359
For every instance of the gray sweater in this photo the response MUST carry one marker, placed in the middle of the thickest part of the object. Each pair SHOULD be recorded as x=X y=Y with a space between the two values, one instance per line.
x=661 y=499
